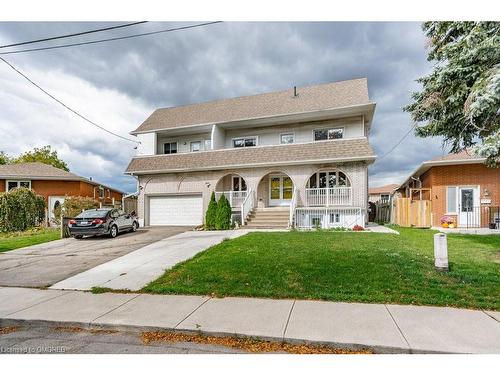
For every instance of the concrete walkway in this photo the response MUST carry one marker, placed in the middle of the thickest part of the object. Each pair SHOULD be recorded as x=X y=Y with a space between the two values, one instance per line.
x=383 y=328
x=377 y=228
x=136 y=269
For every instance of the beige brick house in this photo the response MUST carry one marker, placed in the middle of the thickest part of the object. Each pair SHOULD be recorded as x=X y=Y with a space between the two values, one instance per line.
x=296 y=157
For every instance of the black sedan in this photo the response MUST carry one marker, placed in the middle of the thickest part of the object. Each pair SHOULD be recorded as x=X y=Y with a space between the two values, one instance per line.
x=108 y=221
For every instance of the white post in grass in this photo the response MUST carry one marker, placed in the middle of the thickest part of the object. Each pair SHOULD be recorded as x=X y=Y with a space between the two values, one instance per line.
x=440 y=252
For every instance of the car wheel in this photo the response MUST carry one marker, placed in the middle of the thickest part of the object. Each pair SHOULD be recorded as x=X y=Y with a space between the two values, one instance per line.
x=78 y=237
x=134 y=226
x=113 y=232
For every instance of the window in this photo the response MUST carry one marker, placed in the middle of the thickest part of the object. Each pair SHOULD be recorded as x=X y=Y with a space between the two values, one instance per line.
x=101 y=192
x=287 y=138
x=451 y=199
x=18 y=184
x=328 y=179
x=239 y=184
x=170 y=148
x=208 y=144
x=334 y=218
x=195 y=146
x=384 y=197
x=245 y=142
x=324 y=134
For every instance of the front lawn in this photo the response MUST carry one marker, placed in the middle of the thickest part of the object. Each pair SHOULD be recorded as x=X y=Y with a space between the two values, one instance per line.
x=11 y=241
x=344 y=266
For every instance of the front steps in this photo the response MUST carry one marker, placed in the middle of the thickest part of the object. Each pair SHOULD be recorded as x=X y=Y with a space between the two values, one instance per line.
x=268 y=218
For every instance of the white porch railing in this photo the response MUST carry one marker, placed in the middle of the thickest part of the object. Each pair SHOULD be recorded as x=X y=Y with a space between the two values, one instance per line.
x=235 y=198
x=328 y=217
x=247 y=206
x=337 y=196
x=293 y=205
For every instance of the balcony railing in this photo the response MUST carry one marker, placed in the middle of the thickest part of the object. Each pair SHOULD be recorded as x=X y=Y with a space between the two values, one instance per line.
x=325 y=197
x=235 y=198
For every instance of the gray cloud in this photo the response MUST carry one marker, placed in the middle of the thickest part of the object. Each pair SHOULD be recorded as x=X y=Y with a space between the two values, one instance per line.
x=221 y=61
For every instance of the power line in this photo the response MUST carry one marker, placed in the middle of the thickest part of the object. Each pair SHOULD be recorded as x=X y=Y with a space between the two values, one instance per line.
x=396 y=145
x=72 y=35
x=64 y=105
x=111 y=39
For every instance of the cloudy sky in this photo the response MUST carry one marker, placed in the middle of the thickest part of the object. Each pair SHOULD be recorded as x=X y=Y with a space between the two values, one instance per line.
x=118 y=84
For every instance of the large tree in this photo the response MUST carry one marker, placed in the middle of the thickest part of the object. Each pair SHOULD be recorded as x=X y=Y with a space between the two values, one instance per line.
x=4 y=159
x=44 y=155
x=460 y=98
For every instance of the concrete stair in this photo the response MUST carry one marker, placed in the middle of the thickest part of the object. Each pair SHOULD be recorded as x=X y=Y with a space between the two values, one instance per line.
x=268 y=218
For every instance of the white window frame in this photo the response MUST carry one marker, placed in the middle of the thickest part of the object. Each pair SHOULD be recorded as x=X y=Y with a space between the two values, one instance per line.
x=328 y=128
x=245 y=138
x=191 y=146
x=240 y=182
x=101 y=189
x=176 y=147
x=448 y=212
x=385 y=195
x=287 y=133
x=18 y=183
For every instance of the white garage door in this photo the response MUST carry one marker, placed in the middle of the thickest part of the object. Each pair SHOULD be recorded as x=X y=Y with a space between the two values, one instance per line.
x=176 y=210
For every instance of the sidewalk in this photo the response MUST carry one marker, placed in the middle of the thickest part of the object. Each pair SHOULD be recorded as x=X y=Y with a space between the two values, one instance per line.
x=383 y=328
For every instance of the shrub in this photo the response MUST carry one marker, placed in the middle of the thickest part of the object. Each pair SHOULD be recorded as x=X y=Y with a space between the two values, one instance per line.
x=211 y=213
x=358 y=228
x=223 y=214
x=20 y=209
x=73 y=206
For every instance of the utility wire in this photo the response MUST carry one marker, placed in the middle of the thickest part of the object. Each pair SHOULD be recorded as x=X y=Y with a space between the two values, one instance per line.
x=111 y=39
x=396 y=145
x=72 y=35
x=64 y=105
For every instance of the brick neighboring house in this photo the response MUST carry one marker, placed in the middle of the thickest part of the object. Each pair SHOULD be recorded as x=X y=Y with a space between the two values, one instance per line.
x=295 y=157
x=462 y=187
x=381 y=193
x=55 y=184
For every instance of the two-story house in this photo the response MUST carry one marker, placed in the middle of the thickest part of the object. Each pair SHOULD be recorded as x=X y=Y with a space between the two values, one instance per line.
x=297 y=157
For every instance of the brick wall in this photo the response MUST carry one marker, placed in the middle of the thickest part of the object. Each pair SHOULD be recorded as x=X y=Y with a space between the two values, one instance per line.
x=438 y=178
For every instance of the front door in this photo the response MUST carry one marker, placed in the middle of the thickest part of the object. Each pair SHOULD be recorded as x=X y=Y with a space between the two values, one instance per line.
x=280 y=190
x=468 y=205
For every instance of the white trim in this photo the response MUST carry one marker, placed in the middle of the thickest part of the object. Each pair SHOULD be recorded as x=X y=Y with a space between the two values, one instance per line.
x=244 y=138
x=286 y=133
x=328 y=128
x=18 y=183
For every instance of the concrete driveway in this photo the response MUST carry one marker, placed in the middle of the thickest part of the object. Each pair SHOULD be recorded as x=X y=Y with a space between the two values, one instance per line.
x=45 y=264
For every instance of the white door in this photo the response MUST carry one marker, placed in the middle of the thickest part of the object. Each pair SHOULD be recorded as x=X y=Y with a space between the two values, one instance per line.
x=468 y=205
x=53 y=203
x=280 y=190
x=176 y=210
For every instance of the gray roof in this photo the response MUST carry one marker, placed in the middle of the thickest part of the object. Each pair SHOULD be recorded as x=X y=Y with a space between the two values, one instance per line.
x=302 y=153
x=41 y=171
x=311 y=98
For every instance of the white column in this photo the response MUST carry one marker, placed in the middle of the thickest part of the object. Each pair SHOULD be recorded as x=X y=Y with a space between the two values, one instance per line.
x=440 y=252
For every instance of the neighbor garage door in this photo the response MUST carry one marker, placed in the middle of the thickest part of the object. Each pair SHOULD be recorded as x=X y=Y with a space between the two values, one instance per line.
x=176 y=210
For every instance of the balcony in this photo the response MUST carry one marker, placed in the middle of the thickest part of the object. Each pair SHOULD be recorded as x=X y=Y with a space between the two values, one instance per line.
x=326 y=197
x=235 y=198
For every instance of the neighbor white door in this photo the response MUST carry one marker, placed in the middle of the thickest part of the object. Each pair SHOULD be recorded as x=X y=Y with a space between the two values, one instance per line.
x=53 y=203
x=280 y=190
x=176 y=210
x=468 y=206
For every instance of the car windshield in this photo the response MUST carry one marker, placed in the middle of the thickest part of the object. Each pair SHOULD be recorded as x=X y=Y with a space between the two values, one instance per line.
x=91 y=214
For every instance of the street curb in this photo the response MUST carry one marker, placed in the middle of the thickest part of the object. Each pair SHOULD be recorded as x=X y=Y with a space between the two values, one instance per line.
x=377 y=349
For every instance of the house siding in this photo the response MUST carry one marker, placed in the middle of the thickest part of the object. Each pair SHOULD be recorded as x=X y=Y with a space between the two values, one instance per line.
x=438 y=178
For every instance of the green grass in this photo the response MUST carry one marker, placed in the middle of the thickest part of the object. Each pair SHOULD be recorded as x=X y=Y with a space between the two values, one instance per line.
x=344 y=266
x=11 y=241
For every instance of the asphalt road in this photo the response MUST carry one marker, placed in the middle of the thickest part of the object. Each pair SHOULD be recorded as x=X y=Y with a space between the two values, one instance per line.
x=45 y=264
x=46 y=340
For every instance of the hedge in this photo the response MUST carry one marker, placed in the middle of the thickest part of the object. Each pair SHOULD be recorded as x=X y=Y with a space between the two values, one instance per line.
x=211 y=214
x=20 y=209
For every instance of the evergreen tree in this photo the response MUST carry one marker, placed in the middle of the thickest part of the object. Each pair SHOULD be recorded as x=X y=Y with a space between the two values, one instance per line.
x=223 y=214
x=211 y=213
x=460 y=98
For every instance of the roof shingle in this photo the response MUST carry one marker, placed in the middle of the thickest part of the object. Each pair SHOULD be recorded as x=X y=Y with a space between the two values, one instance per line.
x=35 y=169
x=305 y=153
x=310 y=98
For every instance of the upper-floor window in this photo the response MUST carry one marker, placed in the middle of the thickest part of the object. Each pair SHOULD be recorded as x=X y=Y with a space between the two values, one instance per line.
x=287 y=138
x=195 y=146
x=170 y=148
x=14 y=184
x=332 y=133
x=245 y=142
